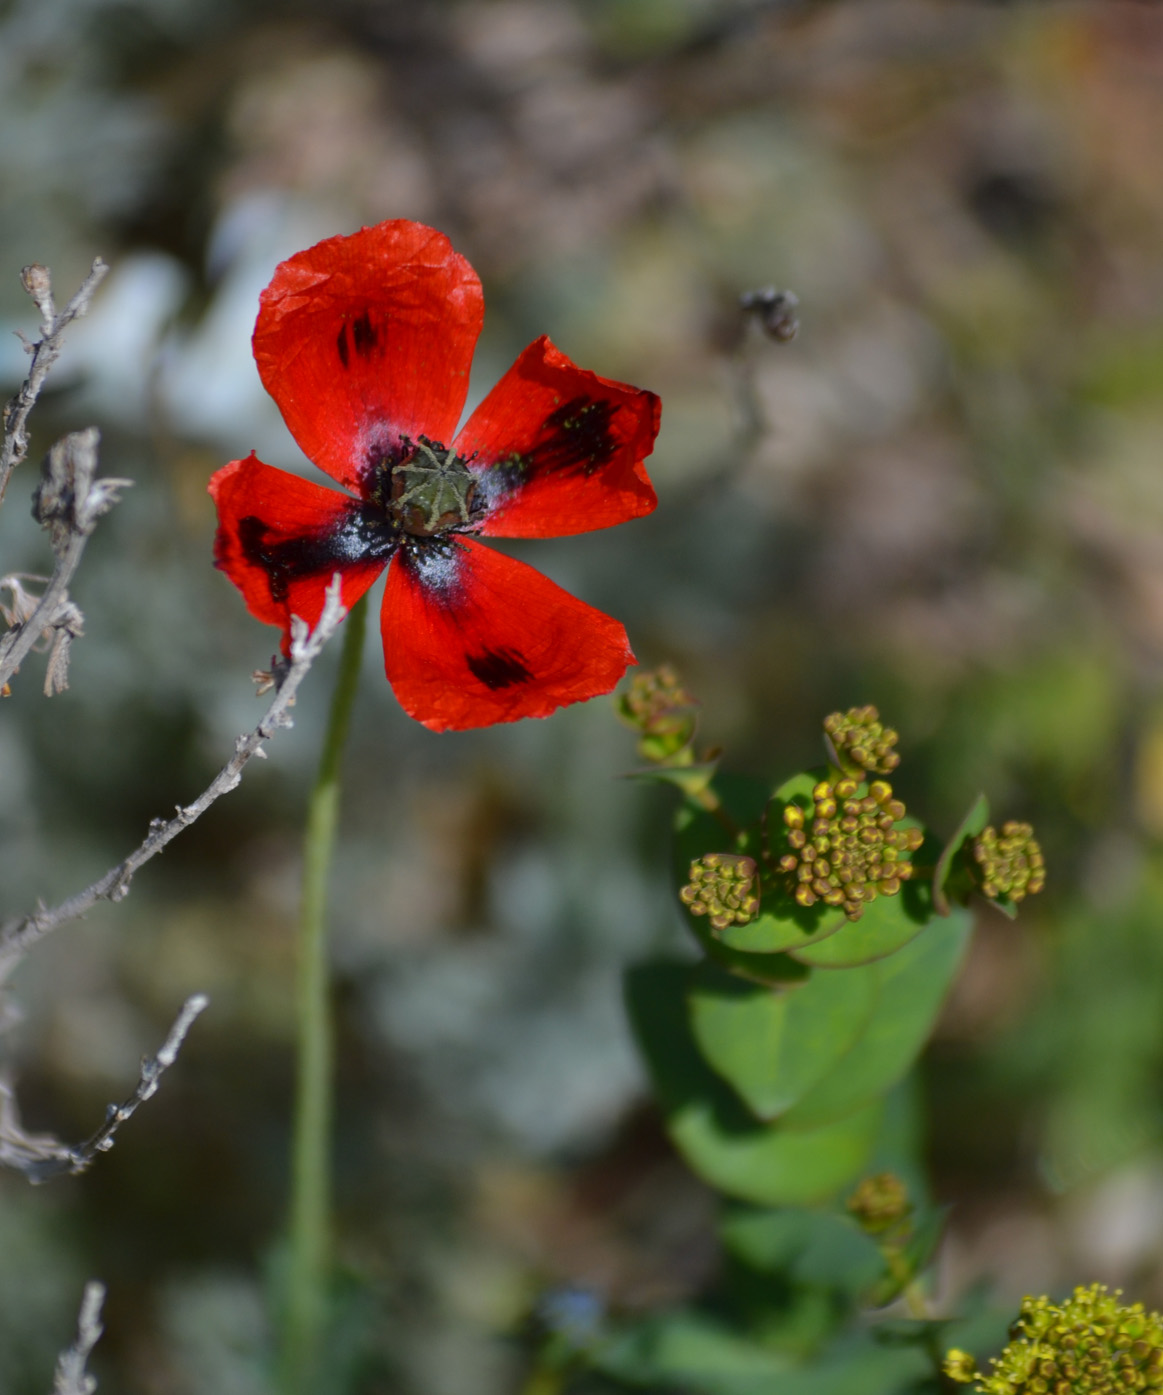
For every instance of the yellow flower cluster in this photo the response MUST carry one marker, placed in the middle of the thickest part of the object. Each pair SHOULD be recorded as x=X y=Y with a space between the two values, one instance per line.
x=722 y=886
x=848 y=849
x=879 y=1203
x=1089 y=1345
x=1011 y=864
x=861 y=742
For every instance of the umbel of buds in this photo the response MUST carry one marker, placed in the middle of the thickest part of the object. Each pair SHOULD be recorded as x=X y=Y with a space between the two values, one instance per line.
x=861 y=743
x=879 y=1203
x=847 y=849
x=722 y=886
x=1010 y=863
x=662 y=711
x=1089 y=1345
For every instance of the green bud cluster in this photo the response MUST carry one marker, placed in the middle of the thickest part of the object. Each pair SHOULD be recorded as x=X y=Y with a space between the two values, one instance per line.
x=959 y=1366
x=659 y=707
x=1089 y=1345
x=1011 y=864
x=861 y=742
x=879 y=1203
x=722 y=886
x=848 y=849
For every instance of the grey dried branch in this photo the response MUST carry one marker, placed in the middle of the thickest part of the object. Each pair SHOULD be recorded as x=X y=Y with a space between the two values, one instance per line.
x=17 y=936
x=40 y=1156
x=71 y=1375
x=68 y=502
x=45 y=352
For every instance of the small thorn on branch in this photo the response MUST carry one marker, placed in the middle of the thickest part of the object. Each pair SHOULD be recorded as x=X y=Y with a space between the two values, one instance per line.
x=41 y=1157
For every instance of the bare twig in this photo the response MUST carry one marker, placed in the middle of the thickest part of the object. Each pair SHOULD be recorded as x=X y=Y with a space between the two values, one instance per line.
x=71 y=1377
x=19 y=935
x=45 y=352
x=68 y=502
x=40 y=1156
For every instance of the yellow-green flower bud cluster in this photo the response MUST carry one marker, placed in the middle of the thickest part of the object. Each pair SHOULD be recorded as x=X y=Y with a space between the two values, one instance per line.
x=1011 y=863
x=879 y=1203
x=847 y=849
x=861 y=742
x=722 y=886
x=1089 y=1345
x=659 y=707
x=959 y=1366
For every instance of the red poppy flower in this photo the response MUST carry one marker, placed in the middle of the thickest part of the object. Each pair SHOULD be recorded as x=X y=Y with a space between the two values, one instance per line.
x=365 y=343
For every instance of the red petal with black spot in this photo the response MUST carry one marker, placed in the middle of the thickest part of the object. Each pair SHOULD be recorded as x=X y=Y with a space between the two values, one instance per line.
x=364 y=339
x=560 y=450
x=475 y=637
x=365 y=343
x=281 y=539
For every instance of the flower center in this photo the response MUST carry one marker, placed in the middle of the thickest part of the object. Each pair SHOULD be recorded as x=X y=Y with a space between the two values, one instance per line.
x=432 y=491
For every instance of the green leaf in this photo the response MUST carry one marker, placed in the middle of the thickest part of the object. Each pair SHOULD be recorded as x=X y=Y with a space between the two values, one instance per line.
x=862 y=1368
x=691 y=779
x=913 y=984
x=743 y=798
x=773 y=1045
x=721 y=1141
x=804 y=1247
x=1005 y=904
x=946 y=881
x=770 y=969
x=783 y=925
x=887 y=924
x=690 y=1350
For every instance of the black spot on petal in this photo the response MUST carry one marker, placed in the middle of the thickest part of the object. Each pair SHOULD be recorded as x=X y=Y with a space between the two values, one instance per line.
x=577 y=436
x=365 y=335
x=362 y=533
x=341 y=345
x=498 y=668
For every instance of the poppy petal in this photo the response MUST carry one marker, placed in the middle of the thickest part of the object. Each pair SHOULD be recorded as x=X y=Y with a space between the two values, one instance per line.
x=472 y=637
x=560 y=450
x=281 y=539
x=364 y=339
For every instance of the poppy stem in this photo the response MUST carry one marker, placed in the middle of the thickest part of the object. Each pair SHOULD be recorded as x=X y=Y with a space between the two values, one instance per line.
x=305 y=1313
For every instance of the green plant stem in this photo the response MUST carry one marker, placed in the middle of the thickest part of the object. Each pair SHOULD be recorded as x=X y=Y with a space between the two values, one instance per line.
x=912 y=1290
x=310 y=1211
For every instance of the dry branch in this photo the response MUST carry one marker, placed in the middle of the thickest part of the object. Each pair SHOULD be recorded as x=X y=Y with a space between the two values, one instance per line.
x=19 y=935
x=40 y=1156
x=45 y=352
x=71 y=1376
x=68 y=502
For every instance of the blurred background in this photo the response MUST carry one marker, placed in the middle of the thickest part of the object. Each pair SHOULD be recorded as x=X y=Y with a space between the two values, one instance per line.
x=944 y=497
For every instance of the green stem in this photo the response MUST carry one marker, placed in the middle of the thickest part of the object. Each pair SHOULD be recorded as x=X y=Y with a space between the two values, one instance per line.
x=912 y=1290
x=310 y=1211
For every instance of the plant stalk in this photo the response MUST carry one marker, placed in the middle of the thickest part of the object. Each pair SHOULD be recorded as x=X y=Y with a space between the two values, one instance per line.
x=305 y=1312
